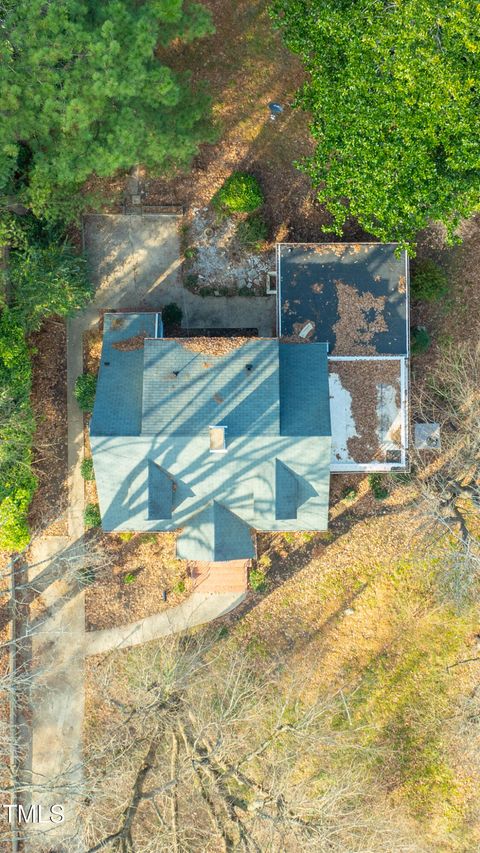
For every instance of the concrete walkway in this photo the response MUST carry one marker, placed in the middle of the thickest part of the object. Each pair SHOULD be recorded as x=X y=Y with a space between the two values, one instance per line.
x=197 y=609
x=58 y=640
x=218 y=588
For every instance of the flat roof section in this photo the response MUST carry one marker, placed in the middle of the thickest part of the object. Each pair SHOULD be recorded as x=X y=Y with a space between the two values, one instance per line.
x=368 y=413
x=352 y=296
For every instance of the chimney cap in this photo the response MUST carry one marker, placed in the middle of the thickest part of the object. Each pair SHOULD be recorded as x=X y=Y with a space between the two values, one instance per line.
x=217 y=439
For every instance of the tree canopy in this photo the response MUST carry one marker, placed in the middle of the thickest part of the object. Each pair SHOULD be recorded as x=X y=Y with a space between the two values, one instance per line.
x=394 y=93
x=82 y=92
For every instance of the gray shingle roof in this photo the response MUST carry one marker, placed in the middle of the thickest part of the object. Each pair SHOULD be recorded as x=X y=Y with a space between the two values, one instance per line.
x=118 y=403
x=215 y=534
x=303 y=384
x=159 y=473
x=184 y=391
x=160 y=492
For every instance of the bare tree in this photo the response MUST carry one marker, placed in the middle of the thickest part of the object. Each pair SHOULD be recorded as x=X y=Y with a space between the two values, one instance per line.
x=194 y=749
x=449 y=481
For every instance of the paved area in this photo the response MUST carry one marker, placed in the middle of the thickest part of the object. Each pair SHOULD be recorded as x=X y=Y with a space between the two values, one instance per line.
x=198 y=609
x=57 y=699
x=135 y=263
x=219 y=588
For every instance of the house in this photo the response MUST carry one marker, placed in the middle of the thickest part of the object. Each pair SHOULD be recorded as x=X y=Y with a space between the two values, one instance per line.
x=219 y=437
x=210 y=436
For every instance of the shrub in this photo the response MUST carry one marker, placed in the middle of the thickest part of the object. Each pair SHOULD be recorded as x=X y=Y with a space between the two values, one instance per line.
x=191 y=252
x=127 y=536
x=420 y=340
x=241 y=193
x=92 y=517
x=252 y=231
x=349 y=493
x=17 y=428
x=245 y=291
x=378 y=489
x=148 y=538
x=85 y=388
x=258 y=580
x=172 y=314
x=179 y=587
x=191 y=281
x=47 y=280
x=87 y=575
x=129 y=578
x=86 y=469
x=429 y=281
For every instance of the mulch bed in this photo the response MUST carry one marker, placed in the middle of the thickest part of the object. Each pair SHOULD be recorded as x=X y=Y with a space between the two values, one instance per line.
x=49 y=400
x=137 y=571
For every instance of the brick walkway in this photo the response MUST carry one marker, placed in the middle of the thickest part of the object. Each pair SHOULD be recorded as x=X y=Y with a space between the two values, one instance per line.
x=231 y=576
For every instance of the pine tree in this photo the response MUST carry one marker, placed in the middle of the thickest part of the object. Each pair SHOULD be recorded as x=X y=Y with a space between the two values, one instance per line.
x=82 y=92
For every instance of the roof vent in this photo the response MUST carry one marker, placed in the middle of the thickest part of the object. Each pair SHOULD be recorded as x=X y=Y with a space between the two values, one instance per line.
x=217 y=439
x=248 y=367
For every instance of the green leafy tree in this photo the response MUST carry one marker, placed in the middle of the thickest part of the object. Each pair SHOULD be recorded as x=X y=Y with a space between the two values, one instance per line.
x=83 y=92
x=45 y=281
x=393 y=90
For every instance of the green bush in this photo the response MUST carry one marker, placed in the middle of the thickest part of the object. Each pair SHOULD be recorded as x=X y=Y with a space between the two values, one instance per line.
x=129 y=578
x=149 y=538
x=420 y=340
x=172 y=314
x=191 y=281
x=349 y=493
x=377 y=487
x=86 y=469
x=47 y=280
x=91 y=516
x=17 y=428
x=252 y=231
x=85 y=388
x=245 y=291
x=179 y=587
x=241 y=193
x=127 y=536
x=258 y=580
x=429 y=281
